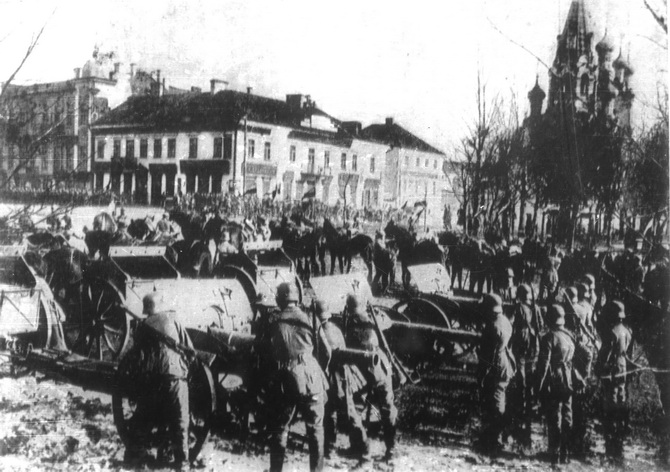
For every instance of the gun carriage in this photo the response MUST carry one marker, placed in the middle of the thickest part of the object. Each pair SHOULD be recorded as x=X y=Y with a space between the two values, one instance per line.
x=260 y=268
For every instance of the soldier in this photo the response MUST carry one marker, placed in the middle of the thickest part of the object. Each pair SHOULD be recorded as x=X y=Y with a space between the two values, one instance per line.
x=164 y=227
x=555 y=384
x=296 y=380
x=384 y=261
x=584 y=335
x=122 y=220
x=550 y=280
x=496 y=369
x=611 y=367
x=361 y=334
x=527 y=326
x=160 y=342
x=225 y=246
x=343 y=383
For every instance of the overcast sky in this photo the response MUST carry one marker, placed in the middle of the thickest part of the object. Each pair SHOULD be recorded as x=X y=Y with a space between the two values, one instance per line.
x=362 y=60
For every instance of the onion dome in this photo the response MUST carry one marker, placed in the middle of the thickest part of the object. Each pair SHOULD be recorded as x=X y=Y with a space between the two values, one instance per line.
x=621 y=64
x=604 y=46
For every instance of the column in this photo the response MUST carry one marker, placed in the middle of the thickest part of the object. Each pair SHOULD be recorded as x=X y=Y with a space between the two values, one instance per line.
x=149 y=186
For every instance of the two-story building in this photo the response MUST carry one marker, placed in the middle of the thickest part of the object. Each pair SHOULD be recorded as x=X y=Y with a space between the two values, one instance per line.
x=414 y=170
x=231 y=141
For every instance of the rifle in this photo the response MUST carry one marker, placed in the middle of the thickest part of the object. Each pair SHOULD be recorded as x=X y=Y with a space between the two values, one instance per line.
x=580 y=323
x=403 y=375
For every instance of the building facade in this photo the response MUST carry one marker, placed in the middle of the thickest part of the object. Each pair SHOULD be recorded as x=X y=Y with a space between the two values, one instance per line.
x=231 y=141
x=414 y=170
x=46 y=126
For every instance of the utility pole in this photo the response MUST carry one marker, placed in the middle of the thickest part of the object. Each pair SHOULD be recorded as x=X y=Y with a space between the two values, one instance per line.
x=244 y=157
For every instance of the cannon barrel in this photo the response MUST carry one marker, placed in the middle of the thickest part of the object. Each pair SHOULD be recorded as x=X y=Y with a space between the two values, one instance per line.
x=221 y=341
x=457 y=335
x=347 y=355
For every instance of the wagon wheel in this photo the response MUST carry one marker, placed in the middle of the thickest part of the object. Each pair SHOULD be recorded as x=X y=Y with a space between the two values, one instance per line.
x=424 y=311
x=99 y=327
x=202 y=404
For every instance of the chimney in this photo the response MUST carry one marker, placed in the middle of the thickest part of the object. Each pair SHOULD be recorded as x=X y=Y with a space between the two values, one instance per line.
x=295 y=101
x=158 y=82
x=249 y=89
x=389 y=121
x=163 y=86
x=77 y=72
x=132 y=70
x=352 y=127
x=217 y=85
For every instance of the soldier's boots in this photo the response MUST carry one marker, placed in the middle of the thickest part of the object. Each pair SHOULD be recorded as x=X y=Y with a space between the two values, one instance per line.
x=360 y=446
x=389 y=441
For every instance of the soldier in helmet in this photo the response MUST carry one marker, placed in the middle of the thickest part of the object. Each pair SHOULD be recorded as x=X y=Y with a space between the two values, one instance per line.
x=611 y=367
x=581 y=325
x=225 y=246
x=159 y=349
x=361 y=334
x=527 y=326
x=555 y=385
x=296 y=381
x=496 y=369
x=343 y=383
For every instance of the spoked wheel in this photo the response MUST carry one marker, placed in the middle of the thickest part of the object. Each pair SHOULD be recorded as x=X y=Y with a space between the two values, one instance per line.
x=127 y=415
x=98 y=327
x=431 y=349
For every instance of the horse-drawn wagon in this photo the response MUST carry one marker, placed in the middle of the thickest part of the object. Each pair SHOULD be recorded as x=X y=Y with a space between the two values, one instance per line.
x=99 y=322
x=260 y=268
x=29 y=315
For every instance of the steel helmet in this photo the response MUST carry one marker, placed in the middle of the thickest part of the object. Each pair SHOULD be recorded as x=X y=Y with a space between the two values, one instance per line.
x=590 y=280
x=615 y=310
x=571 y=293
x=492 y=303
x=582 y=290
x=523 y=292
x=556 y=315
x=287 y=293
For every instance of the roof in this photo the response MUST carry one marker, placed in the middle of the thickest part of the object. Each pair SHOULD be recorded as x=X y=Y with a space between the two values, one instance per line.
x=200 y=111
x=395 y=135
x=575 y=39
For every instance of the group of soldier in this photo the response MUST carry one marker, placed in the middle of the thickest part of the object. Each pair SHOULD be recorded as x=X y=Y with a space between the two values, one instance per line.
x=553 y=356
x=297 y=373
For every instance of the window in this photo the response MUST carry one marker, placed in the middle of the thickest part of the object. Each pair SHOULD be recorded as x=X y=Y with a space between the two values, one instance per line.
x=433 y=188
x=372 y=165
x=144 y=148
x=291 y=156
x=435 y=164
x=158 y=148
x=343 y=161
x=228 y=146
x=192 y=148
x=354 y=162
x=172 y=147
x=251 y=149
x=117 y=148
x=101 y=150
x=218 y=148
x=417 y=162
x=326 y=159
x=310 y=159
x=130 y=148
x=267 y=155
x=425 y=164
x=406 y=161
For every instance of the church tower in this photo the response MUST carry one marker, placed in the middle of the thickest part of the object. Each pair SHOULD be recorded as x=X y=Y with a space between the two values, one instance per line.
x=572 y=75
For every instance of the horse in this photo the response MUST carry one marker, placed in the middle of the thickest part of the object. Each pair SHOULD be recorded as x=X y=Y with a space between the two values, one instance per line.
x=411 y=251
x=302 y=248
x=139 y=229
x=103 y=221
x=343 y=248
